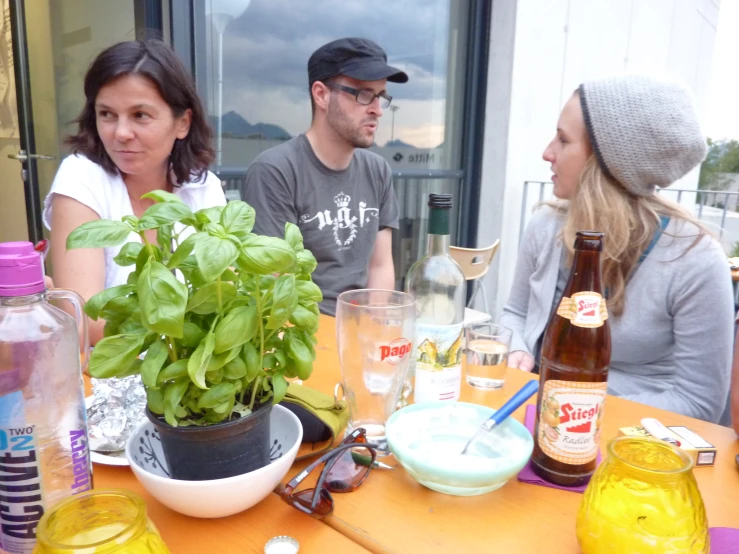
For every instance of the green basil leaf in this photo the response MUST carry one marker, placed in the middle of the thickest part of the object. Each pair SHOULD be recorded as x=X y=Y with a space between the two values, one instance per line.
x=120 y=306
x=307 y=261
x=284 y=301
x=164 y=214
x=214 y=256
x=218 y=394
x=112 y=356
x=199 y=361
x=128 y=254
x=238 y=327
x=133 y=327
x=301 y=355
x=205 y=299
x=304 y=318
x=153 y=362
x=308 y=292
x=155 y=400
x=133 y=221
x=173 y=371
x=192 y=334
x=265 y=255
x=217 y=361
x=209 y=215
x=162 y=299
x=294 y=237
x=101 y=233
x=163 y=196
x=238 y=219
x=164 y=238
x=279 y=386
x=172 y=396
x=133 y=278
x=133 y=369
x=223 y=408
x=184 y=250
x=269 y=361
x=215 y=230
x=100 y=300
x=251 y=359
x=147 y=253
x=214 y=377
x=235 y=369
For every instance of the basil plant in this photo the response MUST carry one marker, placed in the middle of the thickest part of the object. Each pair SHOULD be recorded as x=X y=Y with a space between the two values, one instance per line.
x=224 y=336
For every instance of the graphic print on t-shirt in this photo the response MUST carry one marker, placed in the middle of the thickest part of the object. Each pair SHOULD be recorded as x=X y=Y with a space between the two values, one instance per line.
x=343 y=224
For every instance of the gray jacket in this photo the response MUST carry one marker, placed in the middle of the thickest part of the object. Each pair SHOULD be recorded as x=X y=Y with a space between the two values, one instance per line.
x=672 y=346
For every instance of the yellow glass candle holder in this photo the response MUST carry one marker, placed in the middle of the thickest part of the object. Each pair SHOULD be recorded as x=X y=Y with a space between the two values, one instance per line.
x=644 y=499
x=99 y=522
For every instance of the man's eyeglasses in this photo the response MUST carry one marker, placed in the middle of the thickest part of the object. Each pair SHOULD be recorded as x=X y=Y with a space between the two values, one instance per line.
x=363 y=96
x=347 y=466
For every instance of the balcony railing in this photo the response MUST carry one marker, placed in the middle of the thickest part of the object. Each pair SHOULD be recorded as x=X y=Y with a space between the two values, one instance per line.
x=412 y=188
x=719 y=210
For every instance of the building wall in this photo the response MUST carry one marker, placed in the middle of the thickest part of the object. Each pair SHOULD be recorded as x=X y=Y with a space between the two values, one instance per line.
x=539 y=53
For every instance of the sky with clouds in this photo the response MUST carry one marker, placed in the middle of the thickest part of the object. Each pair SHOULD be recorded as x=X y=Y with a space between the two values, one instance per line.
x=266 y=52
x=267 y=48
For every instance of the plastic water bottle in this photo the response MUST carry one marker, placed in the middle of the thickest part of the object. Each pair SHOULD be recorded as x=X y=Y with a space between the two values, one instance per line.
x=44 y=455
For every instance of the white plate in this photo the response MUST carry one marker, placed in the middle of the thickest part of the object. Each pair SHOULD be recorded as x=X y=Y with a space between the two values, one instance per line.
x=107 y=458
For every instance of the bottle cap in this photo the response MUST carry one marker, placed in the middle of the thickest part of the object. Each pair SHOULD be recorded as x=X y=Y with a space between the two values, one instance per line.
x=440 y=201
x=21 y=269
x=281 y=545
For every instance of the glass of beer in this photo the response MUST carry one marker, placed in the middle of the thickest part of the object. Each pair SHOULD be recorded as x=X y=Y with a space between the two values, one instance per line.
x=487 y=355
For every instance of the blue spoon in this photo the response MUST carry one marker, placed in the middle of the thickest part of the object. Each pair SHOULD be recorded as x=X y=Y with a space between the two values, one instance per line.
x=526 y=392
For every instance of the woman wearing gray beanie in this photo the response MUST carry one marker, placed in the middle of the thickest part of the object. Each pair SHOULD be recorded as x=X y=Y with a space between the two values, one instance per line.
x=669 y=286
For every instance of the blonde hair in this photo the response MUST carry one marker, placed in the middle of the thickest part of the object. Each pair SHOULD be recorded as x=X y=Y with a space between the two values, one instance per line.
x=628 y=222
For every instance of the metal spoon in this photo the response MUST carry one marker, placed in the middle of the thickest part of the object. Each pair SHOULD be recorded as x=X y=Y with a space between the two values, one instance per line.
x=504 y=411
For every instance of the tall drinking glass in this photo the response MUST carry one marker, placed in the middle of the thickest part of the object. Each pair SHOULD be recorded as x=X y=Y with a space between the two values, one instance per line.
x=487 y=355
x=375 y=331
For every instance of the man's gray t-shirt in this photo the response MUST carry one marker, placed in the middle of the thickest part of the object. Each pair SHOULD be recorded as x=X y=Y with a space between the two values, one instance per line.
x=338 y=212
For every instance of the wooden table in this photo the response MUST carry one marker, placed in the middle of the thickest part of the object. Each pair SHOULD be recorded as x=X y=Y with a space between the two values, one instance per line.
x=391 y=512
x=244 y=533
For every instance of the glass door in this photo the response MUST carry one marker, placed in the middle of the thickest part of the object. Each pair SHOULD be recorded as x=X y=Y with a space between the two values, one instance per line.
x=46 y=47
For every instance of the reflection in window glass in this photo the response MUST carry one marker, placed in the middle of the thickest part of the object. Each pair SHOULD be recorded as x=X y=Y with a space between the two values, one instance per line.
x=263 y=48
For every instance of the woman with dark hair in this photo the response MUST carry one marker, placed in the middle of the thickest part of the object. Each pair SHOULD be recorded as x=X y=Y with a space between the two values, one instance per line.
x=142 y=129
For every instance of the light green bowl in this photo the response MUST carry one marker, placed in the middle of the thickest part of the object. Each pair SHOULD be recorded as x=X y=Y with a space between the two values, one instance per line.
x=427 y=438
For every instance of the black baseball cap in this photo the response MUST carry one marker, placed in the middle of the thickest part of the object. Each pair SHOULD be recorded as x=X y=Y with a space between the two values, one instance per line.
x=359 y=58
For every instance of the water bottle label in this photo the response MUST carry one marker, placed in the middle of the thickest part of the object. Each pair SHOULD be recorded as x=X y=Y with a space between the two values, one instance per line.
x=438 y=359
x=21 y=500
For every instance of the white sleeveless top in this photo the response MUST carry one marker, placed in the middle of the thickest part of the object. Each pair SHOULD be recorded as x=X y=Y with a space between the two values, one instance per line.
x=106 y=194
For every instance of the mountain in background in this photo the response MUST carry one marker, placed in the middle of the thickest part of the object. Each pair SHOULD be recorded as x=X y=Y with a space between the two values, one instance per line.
x=397 y=143
x=236 y=126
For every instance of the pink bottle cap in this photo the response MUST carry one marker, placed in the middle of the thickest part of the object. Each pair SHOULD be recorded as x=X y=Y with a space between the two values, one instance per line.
x=21 y=269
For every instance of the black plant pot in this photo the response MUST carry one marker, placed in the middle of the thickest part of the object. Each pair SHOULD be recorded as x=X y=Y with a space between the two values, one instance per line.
x=216 y=451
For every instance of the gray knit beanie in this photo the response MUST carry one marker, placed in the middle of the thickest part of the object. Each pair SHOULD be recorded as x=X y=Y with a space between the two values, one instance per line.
x=644 y=131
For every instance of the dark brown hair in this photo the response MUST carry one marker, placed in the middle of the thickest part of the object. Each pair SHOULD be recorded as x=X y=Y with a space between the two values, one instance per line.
x=157 y=62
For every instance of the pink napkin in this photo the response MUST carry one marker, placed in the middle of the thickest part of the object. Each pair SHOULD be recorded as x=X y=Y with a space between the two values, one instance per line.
x=724 y=540
x=527 y=474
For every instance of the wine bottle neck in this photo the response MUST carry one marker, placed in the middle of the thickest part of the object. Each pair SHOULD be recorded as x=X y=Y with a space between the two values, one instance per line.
x=438 y=238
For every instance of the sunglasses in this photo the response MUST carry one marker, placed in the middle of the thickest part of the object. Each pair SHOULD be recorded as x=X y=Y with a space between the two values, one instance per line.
x=346 y=467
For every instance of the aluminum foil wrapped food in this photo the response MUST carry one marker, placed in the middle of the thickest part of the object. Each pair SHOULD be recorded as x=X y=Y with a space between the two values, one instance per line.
x=117 y=408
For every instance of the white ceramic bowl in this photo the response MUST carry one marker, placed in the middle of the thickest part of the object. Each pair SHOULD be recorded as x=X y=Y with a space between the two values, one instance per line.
x=217 y=497
x=428 y=438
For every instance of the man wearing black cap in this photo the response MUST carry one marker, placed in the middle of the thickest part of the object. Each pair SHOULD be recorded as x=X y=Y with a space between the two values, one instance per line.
x=326 y=182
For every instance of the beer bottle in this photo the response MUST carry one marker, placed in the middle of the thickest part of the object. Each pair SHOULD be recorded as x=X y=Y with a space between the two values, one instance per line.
x=575 y=356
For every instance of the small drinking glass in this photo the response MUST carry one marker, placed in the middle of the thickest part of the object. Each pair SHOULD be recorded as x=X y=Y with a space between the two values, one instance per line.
x=487 y=355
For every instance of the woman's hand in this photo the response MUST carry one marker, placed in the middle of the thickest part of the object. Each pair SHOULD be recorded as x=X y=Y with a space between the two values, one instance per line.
x=521 y=360
x=49 y=285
